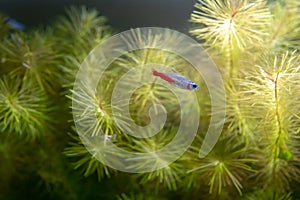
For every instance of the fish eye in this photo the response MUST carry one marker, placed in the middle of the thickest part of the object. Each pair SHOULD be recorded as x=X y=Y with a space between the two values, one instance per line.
x=195 y=86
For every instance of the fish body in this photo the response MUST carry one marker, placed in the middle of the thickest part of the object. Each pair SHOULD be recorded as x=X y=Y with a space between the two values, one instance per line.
x=14 y=24
x=177 y=80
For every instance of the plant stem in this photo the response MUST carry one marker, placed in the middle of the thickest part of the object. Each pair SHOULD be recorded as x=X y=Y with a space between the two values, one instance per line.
x=278 y=121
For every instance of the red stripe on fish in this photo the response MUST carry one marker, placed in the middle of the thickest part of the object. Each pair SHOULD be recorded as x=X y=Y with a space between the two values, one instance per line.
x=163 y=76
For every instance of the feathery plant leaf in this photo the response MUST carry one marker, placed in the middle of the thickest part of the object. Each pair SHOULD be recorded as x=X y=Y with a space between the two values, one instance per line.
x=104 y=127
x=285 y=36
x=169 y=176
x=225 y=167
x=88 y=29
x=98 y=107
x=239 y=123
x=34 y=58
x=229 y=27
x=230 y=23
x=142 y=99
x=12 y=157
x=83 y=159
x=85 y=27
x=271 y=94
x=23 y=108
x=264 y=108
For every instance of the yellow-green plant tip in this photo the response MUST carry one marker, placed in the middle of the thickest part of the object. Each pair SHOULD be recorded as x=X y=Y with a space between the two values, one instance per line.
x=230 y=23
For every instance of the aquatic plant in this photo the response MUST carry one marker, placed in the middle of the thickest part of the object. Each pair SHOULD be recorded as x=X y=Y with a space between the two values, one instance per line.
x=33 y=58
x=24 y=109
x=88 y=29
x=256 y=157
x=260 y=86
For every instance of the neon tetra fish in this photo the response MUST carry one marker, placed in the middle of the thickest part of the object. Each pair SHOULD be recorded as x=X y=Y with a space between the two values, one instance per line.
x=14 y=24
x=177 y=80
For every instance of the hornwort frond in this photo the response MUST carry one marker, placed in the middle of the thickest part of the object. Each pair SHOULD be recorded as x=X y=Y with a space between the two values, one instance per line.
x=24 y=109
x=228 y=165
x=270 y=94
x=83 y=159
x=239 y=123
x=84 y=26
x=169 y=175
x=285 y=36
x=88 y=29
x=228 y=27
x=230 y=22
x=33 y=58
x=89 y=107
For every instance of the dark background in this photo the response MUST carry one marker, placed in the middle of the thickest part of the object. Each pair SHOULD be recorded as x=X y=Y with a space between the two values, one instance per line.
x=121 y=14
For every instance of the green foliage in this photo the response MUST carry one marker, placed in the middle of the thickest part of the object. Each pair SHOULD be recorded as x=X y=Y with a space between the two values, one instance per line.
x=285 y=35
x=230 y=28
x=256 y=157
x=262 y=90
x=87 y=162
x=234 y=24
x=268 y=195
x=85 y=29
x=270 y=92
x=33 y=58
x=224 y=168
x=34 y=118
x=23 y=109
x=168 y=176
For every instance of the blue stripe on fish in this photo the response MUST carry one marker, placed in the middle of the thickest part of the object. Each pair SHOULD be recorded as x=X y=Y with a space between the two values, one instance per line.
x=177 y=80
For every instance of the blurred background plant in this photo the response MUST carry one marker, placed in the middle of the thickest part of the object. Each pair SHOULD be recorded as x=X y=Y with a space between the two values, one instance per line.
x=256 y=157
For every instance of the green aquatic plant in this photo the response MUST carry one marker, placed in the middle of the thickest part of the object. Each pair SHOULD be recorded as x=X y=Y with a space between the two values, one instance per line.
x=33 y=58
x=83 y=159
x=168 y=176
x=256 y=157
x=83 y=25
x=285 y=35
x=88 y=29
x=271 y=90
x=141 y=196
x=23 y=109
x=227 y=166
x=262 y=90
x=141 y=100
x=230 y=27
